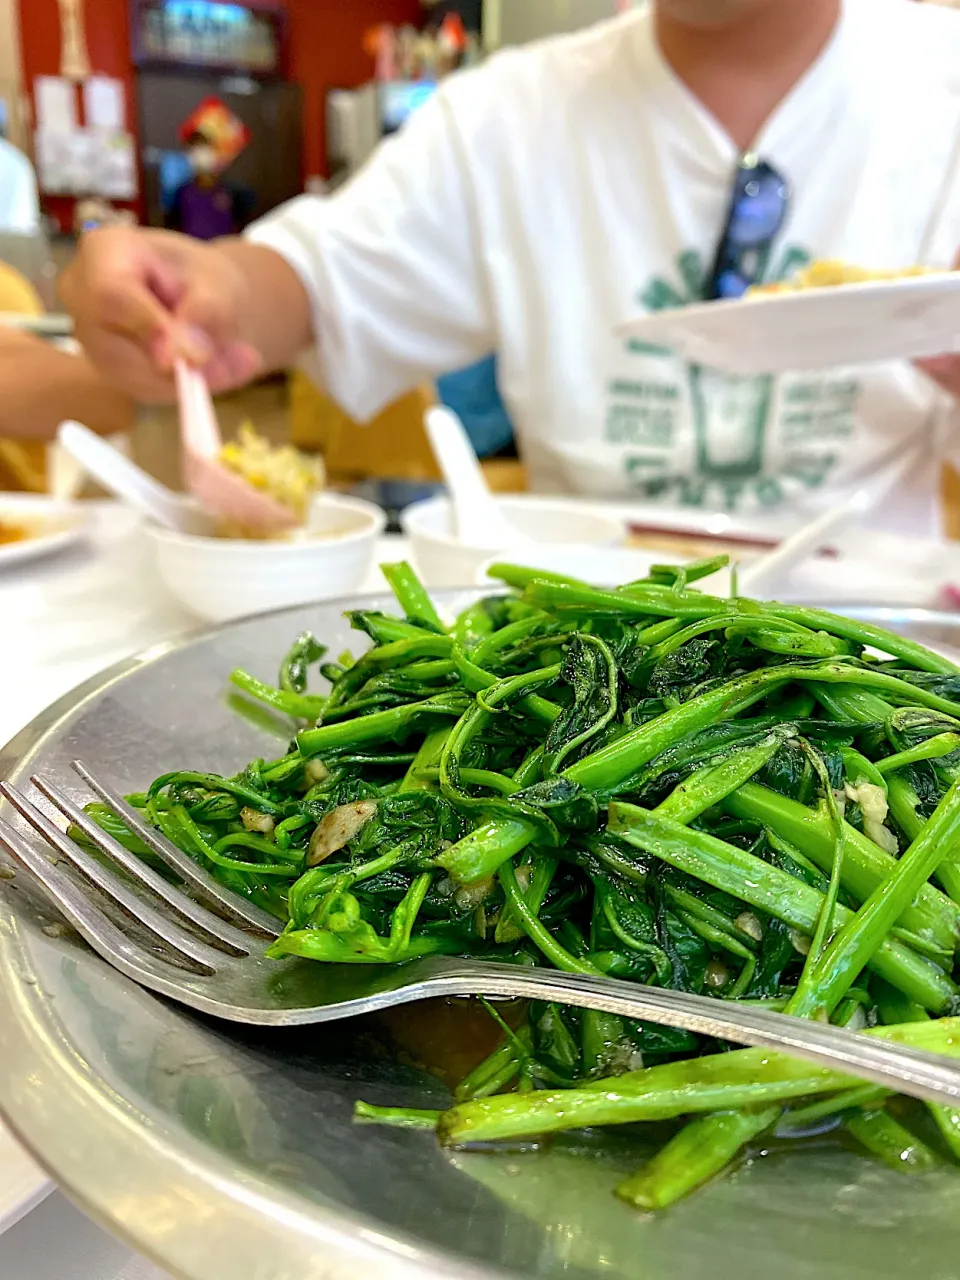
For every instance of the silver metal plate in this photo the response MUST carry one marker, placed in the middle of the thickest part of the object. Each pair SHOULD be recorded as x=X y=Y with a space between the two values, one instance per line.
x=224 y=1154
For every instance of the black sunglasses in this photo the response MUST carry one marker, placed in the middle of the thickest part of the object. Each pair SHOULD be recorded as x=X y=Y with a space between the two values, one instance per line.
x=758 y=210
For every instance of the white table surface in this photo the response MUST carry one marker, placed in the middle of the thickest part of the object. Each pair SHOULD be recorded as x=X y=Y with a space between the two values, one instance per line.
x=65 y=618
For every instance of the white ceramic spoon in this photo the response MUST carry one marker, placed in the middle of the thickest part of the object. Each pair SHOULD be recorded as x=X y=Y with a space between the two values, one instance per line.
x=128 y=482
x=772 y=569
x=478 y=519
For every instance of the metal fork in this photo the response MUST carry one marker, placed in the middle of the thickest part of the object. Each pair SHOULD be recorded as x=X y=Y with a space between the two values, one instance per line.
x=219 y=967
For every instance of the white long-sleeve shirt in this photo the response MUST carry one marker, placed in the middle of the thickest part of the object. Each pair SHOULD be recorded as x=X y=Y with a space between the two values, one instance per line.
x=540 y=200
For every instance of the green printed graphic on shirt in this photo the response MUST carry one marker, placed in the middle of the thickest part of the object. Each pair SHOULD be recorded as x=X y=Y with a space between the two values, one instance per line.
x=643 y=412
x=821 y=409
x=733 y=418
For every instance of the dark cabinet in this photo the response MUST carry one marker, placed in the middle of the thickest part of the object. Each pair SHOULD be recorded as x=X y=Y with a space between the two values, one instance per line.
x=269 y=168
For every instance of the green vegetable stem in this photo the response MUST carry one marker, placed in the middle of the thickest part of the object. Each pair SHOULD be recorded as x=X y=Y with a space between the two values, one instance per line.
x=734 y=798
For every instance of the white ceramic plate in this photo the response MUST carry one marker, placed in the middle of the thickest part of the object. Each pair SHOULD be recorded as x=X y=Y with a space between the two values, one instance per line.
x=22 y=1184
x=861 y=568
x=813 y=329
x=50 y=526
x=600 y=566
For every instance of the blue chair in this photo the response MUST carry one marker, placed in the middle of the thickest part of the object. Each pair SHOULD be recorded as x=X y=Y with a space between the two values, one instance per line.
x=473 y=396
x=174 y=171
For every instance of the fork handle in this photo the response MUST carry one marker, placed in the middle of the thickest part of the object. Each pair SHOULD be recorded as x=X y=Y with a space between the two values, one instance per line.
x=929 y=1077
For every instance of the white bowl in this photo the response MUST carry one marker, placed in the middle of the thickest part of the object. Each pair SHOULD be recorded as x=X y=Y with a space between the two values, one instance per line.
x=600 y=566
x=220 y=579
x=443 y=560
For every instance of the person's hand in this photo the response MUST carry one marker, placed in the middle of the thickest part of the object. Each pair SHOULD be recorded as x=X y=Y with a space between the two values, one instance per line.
x=945 y=371
x=143 y=299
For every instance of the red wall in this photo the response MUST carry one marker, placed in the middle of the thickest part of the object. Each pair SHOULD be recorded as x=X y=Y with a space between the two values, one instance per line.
x=326 y=51
x=108 y=40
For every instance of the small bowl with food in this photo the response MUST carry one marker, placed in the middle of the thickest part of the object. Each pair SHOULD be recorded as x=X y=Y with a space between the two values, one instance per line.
x=600 y=566
x=443 y=559
x=222 y=572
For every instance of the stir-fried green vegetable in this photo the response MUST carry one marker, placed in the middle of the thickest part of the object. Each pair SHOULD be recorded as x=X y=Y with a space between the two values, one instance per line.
x=751 y=801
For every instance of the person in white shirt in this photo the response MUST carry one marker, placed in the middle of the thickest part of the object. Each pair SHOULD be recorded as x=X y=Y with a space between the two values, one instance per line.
x=19 y=198
x=563 y=187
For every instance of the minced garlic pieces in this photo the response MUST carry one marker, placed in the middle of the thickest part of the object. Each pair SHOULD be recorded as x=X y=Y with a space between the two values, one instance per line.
x=873 y=805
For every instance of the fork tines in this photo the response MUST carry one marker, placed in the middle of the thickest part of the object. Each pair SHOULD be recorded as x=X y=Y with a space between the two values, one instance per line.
x=218 y=938
x=191 y=872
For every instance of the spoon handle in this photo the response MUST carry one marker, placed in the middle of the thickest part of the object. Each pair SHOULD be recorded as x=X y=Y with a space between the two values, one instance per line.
x=768 y=574
x=477 y=515
x=124 y=478
x=199 y=429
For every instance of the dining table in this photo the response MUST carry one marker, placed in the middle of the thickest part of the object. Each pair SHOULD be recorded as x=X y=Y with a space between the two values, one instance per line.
x=69 y=616
x=65 y=618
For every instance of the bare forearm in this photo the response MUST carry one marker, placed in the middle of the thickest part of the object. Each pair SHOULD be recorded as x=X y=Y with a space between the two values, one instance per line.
x=275 y=314
x=40 y=387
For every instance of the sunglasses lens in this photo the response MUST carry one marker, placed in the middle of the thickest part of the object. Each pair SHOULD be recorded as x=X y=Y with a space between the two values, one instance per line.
x=731 y=284
x=759 y=209
x=757 y=212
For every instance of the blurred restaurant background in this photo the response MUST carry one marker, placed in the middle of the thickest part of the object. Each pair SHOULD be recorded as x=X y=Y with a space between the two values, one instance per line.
x=103 y=106
x=109 y=102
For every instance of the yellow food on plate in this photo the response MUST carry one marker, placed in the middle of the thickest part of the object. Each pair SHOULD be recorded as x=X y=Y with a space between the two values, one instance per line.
x=830 y=273
x=12 y=533
x=281 y=472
